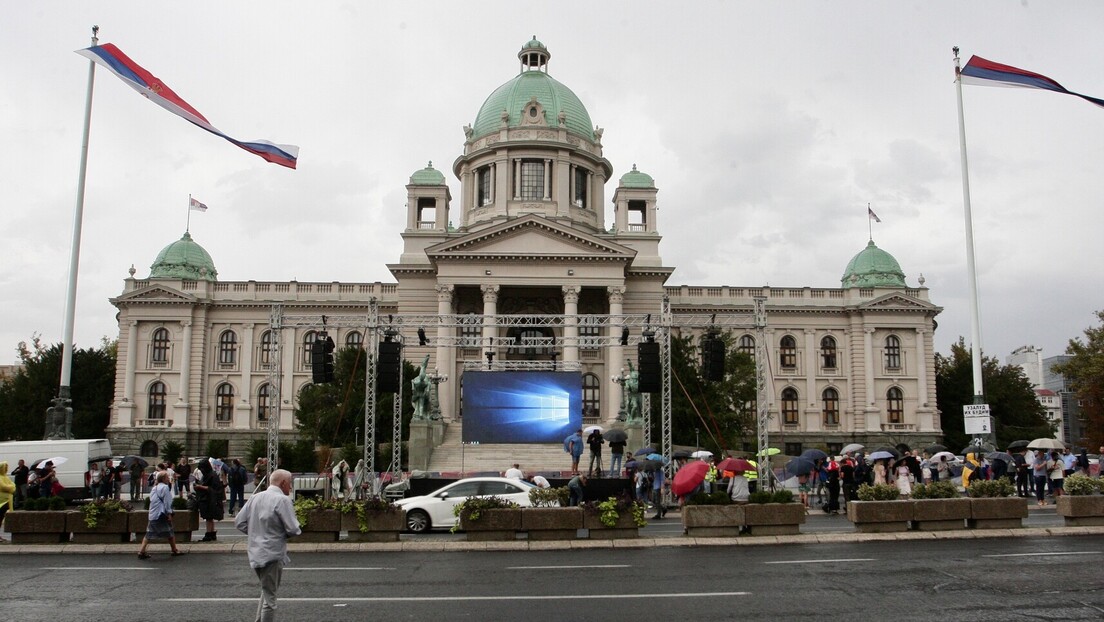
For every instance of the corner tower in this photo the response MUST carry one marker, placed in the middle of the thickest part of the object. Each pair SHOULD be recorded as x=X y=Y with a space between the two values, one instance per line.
x=532 y=151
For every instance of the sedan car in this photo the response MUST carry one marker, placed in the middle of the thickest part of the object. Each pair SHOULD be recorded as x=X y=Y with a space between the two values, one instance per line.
x=434 y=511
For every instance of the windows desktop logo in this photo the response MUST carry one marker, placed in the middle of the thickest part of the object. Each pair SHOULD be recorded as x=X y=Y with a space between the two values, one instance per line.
x=521 y=407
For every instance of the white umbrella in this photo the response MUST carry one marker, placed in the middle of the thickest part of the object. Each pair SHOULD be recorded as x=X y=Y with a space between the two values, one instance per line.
x=591 y=428
x=852 y=447
x=57 y=461
x=702 y=454
x=1046 y=443
x=943 y=455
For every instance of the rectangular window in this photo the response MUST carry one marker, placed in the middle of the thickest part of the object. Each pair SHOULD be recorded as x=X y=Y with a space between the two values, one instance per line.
x=794 y=449
x=484 y=186
x=532 y=179
x=580 y=188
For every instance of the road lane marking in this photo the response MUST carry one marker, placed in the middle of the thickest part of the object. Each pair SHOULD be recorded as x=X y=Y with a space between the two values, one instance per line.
x=341 y=568
x=824 y=561
x=567 y=567
x=97 y=568
x=1044 y=553
x=408 y=599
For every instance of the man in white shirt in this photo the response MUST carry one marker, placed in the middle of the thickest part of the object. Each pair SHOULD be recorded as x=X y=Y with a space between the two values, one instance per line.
x=514 y=472
x=268 y=518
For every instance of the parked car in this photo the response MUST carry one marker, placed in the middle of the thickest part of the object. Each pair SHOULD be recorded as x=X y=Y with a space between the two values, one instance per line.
x=434 y=511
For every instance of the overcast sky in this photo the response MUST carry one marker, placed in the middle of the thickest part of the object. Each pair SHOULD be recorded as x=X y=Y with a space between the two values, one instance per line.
x=768 y=127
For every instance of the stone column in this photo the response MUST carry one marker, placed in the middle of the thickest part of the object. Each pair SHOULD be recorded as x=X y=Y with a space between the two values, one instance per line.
x=491 y=168
x=285 y=410
x=571 y=323
x=872 y=422
x=517 y=178
x=132 y=360
x=813 y=420
x=615 y=360
x=446 y=354
x=547 y=180
x=185 y=363
x=922 y=420
x=244 y=408
x=490 y=309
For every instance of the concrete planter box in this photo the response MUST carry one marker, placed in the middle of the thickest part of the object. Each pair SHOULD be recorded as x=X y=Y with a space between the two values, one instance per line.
x=497 y=524
x=36 y=527
x=880 y=516
x=625 y=527
x=184 y=523
x=552 y=523
x=712 y=521
x=773 y=519
x=114 y=528
x=322 y=526
x=1081 y=510
x=997 y=512
x=940 y=514
x=382 y=526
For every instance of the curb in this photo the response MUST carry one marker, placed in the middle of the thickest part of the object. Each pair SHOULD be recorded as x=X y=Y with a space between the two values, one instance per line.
x=562 y=545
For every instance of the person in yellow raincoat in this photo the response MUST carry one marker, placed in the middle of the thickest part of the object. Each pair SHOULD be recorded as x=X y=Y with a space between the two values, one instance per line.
x=972 y=464
x=7 y=490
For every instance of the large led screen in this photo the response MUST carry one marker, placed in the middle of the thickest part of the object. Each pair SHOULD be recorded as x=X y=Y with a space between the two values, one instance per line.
x=521 y=406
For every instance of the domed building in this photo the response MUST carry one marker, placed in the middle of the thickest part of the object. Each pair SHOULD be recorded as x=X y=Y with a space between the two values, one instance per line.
x=531 y=235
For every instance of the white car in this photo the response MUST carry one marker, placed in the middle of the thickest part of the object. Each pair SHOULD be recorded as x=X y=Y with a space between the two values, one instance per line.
x=434 y=511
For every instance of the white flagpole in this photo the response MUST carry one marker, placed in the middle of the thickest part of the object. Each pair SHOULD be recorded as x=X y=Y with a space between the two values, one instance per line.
x=188 y=224
x=74 y=255
x=975 y=304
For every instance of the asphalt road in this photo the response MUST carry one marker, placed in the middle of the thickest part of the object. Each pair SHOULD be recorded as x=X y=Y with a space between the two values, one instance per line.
x=1053 y=578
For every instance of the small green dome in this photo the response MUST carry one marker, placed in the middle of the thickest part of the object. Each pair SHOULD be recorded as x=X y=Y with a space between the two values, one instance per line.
x=532 y=83
x=428 y=176
x=873 y=267
x=184 y=259
x=637 y=179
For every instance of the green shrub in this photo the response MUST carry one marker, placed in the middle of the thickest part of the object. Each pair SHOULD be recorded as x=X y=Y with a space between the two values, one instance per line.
x=992 y=488
x=935 y=490
x=471 y=509
x=612 y=508
x=179 y=503
x=95 y=512
x=760 y=496
x=33 y=505
x=549 y=497
x=55 y=504
x=372 y=506
x=782 y=496
x=1080 y=485
x=712 y=498
x=878 y=492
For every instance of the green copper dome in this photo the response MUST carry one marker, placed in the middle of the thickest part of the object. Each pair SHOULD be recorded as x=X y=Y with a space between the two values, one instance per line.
x=531 y=83
x=637 y=179
x=873 y=267
x=428 y=176
x=184 y=259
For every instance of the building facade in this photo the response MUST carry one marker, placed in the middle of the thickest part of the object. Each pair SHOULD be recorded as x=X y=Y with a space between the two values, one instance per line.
x=853 y=363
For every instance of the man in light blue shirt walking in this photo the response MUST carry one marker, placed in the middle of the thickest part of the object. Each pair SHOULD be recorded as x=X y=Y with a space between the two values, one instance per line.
x=268 y=518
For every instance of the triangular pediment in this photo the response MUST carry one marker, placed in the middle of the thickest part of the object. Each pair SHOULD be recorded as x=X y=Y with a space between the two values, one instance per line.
x=156 y=294
x=897 y=302
x=530 y=237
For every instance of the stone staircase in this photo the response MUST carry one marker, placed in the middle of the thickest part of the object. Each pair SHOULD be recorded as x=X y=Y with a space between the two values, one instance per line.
x=452 y=458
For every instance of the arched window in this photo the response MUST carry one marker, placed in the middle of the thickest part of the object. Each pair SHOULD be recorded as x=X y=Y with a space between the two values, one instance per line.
x=828 y=353
x=787 y=352
x=155 y=408
x=592 y=396
x=159 y=352
x=895 y=405
x=224 y=402
x=747 y=345
x=228 y=348
x=789 y=406
x=148 y=449
x=354 y=339
x=264 y=408
x=830 y=397
x=893 y=352
x=308 y=339
x=268 y=347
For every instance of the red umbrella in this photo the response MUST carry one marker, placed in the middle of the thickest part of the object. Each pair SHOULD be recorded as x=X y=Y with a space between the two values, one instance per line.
x=735 y=464
x=689 y=477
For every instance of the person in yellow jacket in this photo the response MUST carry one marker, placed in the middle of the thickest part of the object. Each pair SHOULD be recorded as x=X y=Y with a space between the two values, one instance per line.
x=7 y=490
x=753 y=476
x=711 y=476
x=972 y=464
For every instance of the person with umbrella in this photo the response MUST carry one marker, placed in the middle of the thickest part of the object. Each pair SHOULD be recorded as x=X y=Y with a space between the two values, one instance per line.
x=1039 y=473
x=1023 y=473
x=617 y=440
x=904 y=477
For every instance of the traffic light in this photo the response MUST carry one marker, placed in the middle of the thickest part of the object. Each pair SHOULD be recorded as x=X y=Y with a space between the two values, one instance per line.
x=713 y=357
x=390 y=362
x=647 y=359
x=322 y=361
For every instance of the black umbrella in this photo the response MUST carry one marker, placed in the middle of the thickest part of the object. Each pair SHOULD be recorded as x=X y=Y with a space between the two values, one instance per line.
x=650 y=465
x=1000 y=455
x=903 y=448
x=127 y=461
x=978 y=449
x=680 y=453
x=934 y=449
x=645 y=451
x=814 y=454
x=616 y=435
x=1018 y=445
x=800 y=466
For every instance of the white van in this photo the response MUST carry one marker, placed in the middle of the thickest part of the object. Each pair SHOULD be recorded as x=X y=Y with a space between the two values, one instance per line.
x=78 y=454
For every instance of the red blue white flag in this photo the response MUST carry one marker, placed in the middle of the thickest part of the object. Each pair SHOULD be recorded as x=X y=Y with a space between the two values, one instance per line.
x=870 y=214
x=196 y=205
x=982 y=72
x=150 y=86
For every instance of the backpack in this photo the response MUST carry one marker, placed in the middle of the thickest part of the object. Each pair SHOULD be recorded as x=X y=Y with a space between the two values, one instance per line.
x=237 y=476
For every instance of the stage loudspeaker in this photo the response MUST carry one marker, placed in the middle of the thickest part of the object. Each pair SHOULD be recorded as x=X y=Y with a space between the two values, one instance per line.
x=390 y=362
x=322 y=360
x=647 y=359
x=713 y=359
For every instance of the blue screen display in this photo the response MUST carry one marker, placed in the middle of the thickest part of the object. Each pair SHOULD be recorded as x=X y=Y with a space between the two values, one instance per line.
x=521 y=407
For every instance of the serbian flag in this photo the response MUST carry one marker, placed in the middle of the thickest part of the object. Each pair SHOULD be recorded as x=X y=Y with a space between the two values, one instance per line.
x=870 y=214
x=983 y=72
x=149 y=85
x=196 y=205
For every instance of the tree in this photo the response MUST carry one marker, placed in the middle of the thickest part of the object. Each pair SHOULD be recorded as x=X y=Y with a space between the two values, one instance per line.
x=1017 y=413
x=1085 y=373
x=26 y=395
x=712 y=413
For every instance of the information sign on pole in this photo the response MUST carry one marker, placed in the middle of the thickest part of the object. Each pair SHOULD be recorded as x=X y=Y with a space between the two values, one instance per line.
x=975 y=410
x=977 y=426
